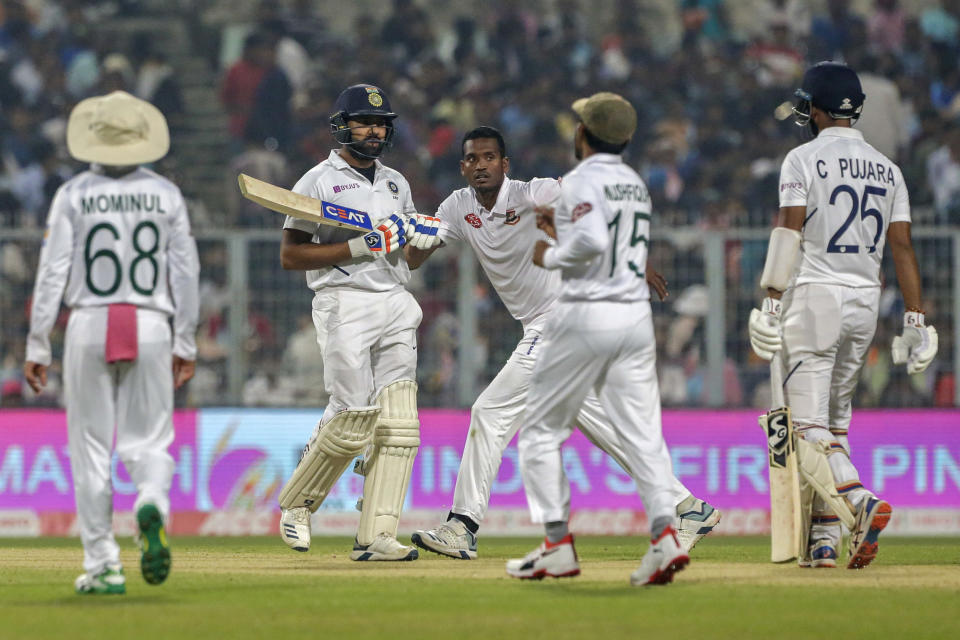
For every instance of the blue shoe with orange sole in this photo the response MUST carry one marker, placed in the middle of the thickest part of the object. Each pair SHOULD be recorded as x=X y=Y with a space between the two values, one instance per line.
x=872 y=517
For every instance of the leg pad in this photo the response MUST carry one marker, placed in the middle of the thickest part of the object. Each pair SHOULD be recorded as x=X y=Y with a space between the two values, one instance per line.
x=390 y=462
x=331 y=449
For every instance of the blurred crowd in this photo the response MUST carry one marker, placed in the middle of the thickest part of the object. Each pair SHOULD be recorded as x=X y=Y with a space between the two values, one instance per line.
x=705 y=75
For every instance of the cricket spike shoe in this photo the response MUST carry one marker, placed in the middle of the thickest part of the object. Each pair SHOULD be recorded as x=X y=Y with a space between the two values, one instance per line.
x=663 y=559
x=696 y=519
x=295 y=528
x=384 y=548
x=154 y=548
x=872 y=516
x=108 y=581
x=822 y=555
x=553 y=560
x=452 y=538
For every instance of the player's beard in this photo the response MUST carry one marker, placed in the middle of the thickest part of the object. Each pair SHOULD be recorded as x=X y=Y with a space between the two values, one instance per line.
x=367 y=149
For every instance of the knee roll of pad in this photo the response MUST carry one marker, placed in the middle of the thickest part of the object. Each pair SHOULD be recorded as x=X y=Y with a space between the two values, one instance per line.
x=327 y=456
x=390 y=462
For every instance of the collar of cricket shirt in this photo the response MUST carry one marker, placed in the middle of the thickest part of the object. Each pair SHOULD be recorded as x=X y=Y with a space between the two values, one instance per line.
x=500 y=206
x=339 y=163
x=605 y=158
x=841 y=132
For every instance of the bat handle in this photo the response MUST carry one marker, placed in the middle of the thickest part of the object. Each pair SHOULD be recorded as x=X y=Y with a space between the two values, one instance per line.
x=776 y=381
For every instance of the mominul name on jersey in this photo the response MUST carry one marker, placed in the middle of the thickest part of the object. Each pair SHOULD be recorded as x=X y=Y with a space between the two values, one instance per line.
x=122 y=203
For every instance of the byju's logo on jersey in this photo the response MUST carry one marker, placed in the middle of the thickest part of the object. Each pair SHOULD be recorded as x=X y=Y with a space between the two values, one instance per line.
x=345 y=187
x=345 y=214
x=512 y=217
x=474 y=220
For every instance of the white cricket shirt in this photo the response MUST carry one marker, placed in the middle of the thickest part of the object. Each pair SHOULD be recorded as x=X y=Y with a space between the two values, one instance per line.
x=852 y=193
x=503 y=240
x=117 y=240
x=335 y=181
x=603 y=232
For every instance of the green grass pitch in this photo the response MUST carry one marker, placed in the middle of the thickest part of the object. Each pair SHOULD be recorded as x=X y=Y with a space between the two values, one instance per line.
x=241 y=588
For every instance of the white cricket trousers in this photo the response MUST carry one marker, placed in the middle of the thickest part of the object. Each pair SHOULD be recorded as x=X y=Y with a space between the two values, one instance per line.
x=130 y=400
x=607 y=348
x=497 y=415
x=368 y=340
x=827 y=330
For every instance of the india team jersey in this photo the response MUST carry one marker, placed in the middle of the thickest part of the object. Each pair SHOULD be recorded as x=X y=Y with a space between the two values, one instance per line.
x=603 y=231
x=852 y=193
x=335 y=181
x=117 y=240
x=503 y=240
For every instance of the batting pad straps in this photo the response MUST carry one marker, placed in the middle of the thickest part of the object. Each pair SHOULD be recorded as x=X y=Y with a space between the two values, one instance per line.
x=331 y=449
x=815 y=470
x=781 y=261
x=390 y=463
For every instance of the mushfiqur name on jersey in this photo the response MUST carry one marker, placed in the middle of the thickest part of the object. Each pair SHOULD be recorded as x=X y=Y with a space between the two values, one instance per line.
x=605 y=207
x=852 y=193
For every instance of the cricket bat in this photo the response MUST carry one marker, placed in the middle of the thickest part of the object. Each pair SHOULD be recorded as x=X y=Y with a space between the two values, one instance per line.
x=786 y=521
x=303 y=207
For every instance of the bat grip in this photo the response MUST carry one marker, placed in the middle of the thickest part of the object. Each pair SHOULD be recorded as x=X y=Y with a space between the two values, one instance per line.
x=776 y=382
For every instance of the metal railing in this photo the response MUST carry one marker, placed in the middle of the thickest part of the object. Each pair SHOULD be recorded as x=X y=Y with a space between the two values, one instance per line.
x=252 y=307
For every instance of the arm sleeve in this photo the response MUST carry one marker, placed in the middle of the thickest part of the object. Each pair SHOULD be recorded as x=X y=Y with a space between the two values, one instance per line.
x=184 y=278
x=449 y=224
x=901 y=201
x=793 y=182
x=585 y=232
x=544 y=192
x=308 y=187
x=52 y=273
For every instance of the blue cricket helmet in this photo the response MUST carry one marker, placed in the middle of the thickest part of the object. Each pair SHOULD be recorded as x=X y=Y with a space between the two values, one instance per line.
x=831 y=86
x=361 y=100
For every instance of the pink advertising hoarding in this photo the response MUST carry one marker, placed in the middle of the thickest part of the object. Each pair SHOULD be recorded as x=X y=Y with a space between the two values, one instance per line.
x=235 y=461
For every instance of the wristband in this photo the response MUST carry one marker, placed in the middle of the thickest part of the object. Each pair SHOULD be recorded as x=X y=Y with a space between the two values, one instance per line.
x=913 y=319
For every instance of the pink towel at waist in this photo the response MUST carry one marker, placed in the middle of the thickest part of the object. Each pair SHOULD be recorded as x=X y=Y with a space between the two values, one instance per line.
x=121 y=333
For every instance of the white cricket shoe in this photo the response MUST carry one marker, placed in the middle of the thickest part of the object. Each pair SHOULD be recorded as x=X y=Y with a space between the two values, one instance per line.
x=663 y=559
x=452 y=538
x=383 y=548
x=822 y=555
x=872 y=516
x=696 y=519
x=295 y=528
x=108 y=581
x=556 y=560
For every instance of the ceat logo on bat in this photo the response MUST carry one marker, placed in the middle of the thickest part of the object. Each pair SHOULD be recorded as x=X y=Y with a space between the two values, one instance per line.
x=345 y=214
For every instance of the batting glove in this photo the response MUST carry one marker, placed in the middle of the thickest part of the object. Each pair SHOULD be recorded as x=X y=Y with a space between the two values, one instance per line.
x=424 y=235
x=917 y=346
x=387 y=236
x=765 y=328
